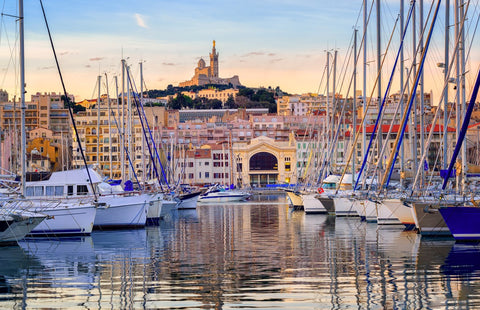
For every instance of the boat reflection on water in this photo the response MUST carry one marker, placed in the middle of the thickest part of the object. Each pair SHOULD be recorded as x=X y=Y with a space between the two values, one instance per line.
x=243 y=256
x=463 y=259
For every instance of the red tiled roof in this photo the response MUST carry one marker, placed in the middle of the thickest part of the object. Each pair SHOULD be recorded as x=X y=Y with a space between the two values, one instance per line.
x=395 y=128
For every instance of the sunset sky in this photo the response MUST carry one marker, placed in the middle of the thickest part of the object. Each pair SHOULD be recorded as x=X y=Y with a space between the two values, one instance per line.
x=266 y=43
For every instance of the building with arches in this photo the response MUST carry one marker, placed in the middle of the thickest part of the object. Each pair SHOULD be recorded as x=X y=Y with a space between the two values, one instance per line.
x=261 y=161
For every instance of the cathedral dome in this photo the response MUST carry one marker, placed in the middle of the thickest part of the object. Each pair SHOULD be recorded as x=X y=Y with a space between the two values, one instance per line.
x=201 y=64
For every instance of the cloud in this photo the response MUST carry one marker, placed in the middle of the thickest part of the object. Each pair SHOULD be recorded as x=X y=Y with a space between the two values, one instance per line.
x=46 y=68
x=253 y=54
x=276 y=60
x=140 y=20
x=88 y=66
x=259 y=54
x=96 y=58
x=168 y=64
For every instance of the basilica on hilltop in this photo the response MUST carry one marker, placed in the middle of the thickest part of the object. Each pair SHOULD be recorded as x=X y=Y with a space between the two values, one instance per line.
x=209 y=75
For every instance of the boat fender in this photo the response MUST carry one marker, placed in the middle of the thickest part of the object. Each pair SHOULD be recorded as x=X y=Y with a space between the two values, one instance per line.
x=320 y=190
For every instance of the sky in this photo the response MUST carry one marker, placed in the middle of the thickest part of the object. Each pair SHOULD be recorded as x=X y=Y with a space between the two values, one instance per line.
x=266 y=43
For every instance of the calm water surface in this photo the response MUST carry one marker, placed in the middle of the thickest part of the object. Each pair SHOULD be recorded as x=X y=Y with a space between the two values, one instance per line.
x=255 y=255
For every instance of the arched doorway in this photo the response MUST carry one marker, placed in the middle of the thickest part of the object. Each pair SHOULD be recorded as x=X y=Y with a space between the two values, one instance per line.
x=263 y=169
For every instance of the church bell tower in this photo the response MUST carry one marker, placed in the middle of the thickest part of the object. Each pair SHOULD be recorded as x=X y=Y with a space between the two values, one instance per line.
x=214 y=62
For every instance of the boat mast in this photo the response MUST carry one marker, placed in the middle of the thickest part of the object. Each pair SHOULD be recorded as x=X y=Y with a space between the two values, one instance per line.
x=461 y=8
x=132 y=156
x=354 y=107
x=23 y=147
x=413 y=124
x=122 y=118
x=327 y=118
x=98 y=121
x=109 y=128
x=379 y=89
x=364 y=104
x=401 y=97
x=445 y=98
x=457 y=65
x=334 y=107
x=422 y=102
x=119 y=132
x=143 y=136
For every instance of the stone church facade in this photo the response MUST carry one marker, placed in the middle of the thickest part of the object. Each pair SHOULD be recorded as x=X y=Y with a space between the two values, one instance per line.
x=209 y=75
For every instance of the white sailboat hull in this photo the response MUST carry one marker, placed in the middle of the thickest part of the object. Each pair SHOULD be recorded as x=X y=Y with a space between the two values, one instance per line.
x=17 y=227
x=344 y=207
x=311 y=204
x=122 y=211
x=64 y=219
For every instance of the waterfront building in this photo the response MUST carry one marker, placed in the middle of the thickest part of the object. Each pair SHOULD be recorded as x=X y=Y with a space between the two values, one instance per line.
x=208 y=164
x=210 y=74
x=262 y=161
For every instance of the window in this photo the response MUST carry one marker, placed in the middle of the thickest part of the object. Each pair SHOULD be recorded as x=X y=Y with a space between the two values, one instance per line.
x=82 y=190
x=70 y=190
x=190 y=175
x=58 y=190
x=287 y=166
x=207 y=175
x=38 y=191
x=29 y=191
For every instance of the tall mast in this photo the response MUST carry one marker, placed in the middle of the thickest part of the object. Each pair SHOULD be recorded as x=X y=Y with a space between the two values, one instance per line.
x=354 y=108
x=109 y=128
x=327 y=118
x=334 y=104
x=122 y=118
x=445 y=99
x=129 y=126
x=422 y=103
x=462 y=90
x=457 y=65
x=364 y=104
x=143 y=136
x=98 y=121
x=22 y=93
x=413 y=129
x=379 y=47
x=119 y=142
x=402 y=30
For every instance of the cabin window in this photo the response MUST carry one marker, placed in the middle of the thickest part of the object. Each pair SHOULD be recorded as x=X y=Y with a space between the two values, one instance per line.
x=49 y=190
x=29 y=191
x=58 y=190
x=70 y=190
x=38 y=191
x=82 y=190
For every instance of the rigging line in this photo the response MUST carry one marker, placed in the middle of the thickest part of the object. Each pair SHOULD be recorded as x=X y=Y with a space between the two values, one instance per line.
x=151 y=137
x=67 y=101
x=369 y=100
x=387 y=91
x=323 y=159
x=137 y=104
x=393 y=155
x=450 y=69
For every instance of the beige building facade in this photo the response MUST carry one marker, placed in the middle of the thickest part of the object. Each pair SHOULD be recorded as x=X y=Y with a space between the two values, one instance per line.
x=262 y=161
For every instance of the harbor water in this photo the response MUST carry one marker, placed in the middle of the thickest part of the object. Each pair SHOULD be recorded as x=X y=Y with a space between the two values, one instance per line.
x=254 y=255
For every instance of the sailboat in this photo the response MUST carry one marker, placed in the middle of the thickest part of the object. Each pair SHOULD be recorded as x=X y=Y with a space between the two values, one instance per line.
x=463 y=221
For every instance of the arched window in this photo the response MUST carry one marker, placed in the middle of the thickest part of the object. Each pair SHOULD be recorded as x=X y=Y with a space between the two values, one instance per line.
x=263 y=161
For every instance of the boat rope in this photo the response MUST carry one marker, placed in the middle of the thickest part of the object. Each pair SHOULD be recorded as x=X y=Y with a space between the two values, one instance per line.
x=401 y=131
x=67 y=102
